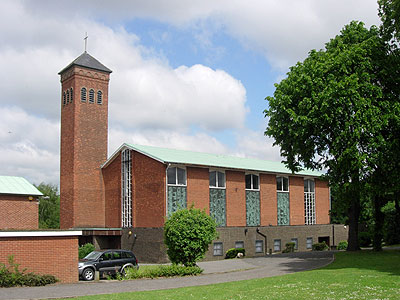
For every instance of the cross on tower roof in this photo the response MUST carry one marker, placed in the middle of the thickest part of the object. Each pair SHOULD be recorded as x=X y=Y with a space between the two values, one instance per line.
x=85 y=38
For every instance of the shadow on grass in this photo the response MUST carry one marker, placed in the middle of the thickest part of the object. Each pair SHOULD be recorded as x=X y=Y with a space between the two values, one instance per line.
x=387 y=261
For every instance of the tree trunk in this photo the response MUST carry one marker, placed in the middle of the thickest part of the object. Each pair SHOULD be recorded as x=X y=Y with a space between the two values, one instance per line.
x=354 y=214
x=379 y=219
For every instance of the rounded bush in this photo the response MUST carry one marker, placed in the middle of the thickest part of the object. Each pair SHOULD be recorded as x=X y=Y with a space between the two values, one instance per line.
x=342 y=245
x=187 y=235
x=233 y=252
x=85 y=250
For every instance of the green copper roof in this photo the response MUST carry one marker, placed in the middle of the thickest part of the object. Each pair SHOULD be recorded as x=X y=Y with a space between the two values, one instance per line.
x=17 y=185
x=173 y=156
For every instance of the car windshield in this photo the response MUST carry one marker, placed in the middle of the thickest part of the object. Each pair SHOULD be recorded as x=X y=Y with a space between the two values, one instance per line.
x=93 y=255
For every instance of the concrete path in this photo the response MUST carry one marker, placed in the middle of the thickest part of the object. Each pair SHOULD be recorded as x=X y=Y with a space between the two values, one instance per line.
x=214 y=272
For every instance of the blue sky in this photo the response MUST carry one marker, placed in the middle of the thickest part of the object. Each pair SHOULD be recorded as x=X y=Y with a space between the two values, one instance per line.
x=186 y=74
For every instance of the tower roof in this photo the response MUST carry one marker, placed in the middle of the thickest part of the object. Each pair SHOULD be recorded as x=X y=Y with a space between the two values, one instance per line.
x=87 y=61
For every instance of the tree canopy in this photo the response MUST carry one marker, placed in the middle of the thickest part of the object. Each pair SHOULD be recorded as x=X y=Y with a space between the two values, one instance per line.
x=332 y=112
x=49 y=206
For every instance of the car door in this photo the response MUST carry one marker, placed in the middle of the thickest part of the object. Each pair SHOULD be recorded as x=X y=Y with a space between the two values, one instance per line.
x=106 y=262
x=118 y=260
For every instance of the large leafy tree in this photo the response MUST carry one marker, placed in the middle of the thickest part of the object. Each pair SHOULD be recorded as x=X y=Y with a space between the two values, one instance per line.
x=330 y=111
x=389 y=12
x=49 y=206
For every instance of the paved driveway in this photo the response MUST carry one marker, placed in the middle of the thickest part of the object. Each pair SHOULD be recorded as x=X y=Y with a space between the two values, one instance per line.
x=214 y=272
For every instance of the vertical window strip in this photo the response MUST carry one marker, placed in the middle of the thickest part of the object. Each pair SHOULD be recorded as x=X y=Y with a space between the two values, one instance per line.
x=126 y=188
x=64 y=99
x=99 y=97
x=67 y=96
x=83 y=94
x=91 y=96
x=72 y=97
x=309 y=202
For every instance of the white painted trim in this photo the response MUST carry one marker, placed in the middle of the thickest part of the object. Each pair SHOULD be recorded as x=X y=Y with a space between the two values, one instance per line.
x=217 y=170
x=39 y=233
x=281 y=191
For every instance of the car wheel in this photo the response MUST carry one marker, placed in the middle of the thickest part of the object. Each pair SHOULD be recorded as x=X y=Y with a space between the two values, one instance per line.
x=88 y=274
x=124 y=270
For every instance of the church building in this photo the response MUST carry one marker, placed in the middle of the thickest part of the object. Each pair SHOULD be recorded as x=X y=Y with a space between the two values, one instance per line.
x=122 y=201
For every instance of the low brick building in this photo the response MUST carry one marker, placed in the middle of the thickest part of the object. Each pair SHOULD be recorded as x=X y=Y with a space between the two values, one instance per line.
x=43 y=252
x=123 y=201
x=19 y=201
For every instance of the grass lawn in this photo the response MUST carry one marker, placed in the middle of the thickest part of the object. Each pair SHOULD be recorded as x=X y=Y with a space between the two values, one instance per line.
x=359 y=275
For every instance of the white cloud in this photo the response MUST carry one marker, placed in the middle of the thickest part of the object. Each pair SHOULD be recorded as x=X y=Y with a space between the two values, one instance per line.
x=199 y=142
x=284 y=31
x=156 y=96
x=255 y=144
x=29 y=146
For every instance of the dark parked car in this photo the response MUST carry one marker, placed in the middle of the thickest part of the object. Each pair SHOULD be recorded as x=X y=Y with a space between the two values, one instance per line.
x=107 y=262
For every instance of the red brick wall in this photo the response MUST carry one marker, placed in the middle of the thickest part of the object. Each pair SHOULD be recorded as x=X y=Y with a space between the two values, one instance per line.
x=149 y=204
x=84 y=132
x=57 y=256
x=112 y=184
x=322 y=202
x=235 y=198
x=296 y=194
x=268 y=200
x=18 y=212
x=198 y=190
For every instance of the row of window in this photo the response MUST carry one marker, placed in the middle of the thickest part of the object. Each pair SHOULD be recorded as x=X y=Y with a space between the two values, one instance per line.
x=218 y=247
x=84 y=93
x=177 y=176
x=278 y=246
x=68 y=96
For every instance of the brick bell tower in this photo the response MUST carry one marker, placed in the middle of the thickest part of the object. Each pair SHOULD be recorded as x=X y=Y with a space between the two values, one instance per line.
x=84 y=137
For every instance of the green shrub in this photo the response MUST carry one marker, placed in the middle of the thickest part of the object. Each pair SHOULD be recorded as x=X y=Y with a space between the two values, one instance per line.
x=289 y=247
x=233 y=252
x=391 y=230
x=160 y=271
x=320 y=246
x=85 y=250
x=342 y=245
x=187 y=235
x=365 y=238
x=11 y=276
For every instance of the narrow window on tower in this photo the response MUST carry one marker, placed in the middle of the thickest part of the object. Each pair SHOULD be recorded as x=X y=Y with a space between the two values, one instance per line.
x=72 y=98
x=83 y=94
x=99 y=97
x=91 y=96
x=67 y=96
x=64 y=99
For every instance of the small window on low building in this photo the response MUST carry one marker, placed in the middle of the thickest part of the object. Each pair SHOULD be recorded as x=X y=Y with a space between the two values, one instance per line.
x=259 y=246
x=99 y=97
x=91 y=96
x=294 y=240
x=176 y=176
x=218 y=249
x=277 y=245
x=309 y=242
x=252 y=182
x=239 y=244
x=217 y=179
x=83 y=94
x=282 y=184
